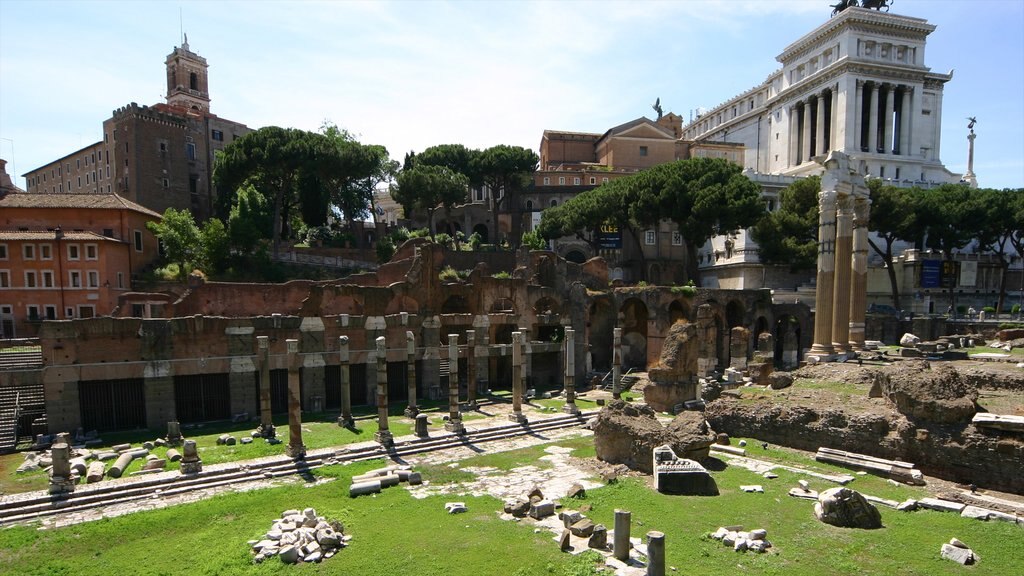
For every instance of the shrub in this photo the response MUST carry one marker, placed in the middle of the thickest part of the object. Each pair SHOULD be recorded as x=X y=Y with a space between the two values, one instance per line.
x=501 y=275
x=534 y=241
x=989 y=310
x=385 y=250
x=474 y=241
x=448 y=274
x=1015 y=309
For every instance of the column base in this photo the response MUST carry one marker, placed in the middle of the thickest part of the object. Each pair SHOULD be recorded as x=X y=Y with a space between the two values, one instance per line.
x=456 y=426
x=265 y=431
x=472 y=405
x=60 y=485
x=569 y=408
x=191 y=467
x=174 y=441
x=821 y=352
x=411 y=411
x=346 y=421
x=517 y=417
x=383 y=437
x=296 y=451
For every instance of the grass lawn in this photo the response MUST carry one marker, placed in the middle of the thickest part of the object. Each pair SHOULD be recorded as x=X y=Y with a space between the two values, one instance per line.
x=396 y=534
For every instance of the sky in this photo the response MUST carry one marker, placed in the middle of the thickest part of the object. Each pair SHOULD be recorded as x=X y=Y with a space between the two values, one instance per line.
x=409 y=75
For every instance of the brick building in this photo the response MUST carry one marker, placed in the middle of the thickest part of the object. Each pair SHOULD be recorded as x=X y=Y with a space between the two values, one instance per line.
x=158 y=156
x=67 y=255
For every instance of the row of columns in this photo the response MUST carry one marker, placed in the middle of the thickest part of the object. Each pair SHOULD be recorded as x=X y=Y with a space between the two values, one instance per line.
x=812 y=126
x=843 y=207
x=886 y=129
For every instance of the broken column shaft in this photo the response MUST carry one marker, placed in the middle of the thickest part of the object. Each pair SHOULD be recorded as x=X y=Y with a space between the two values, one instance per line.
x=517 y=378
x=345 y=419
x=570 y=373
x=454 y=423
x=295 y=447
x=383 y=434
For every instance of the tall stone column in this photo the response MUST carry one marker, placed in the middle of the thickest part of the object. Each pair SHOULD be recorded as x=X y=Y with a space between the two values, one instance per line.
x=823 y=294
x=806 y=150
x=620 y=538
x=410 y=374
x=431 y=365
x=874 y=142
x=819 y=129
x=527 y=359
x=888 y=126
x=833 y=121
x=858 y=116
x=616 y=362
x=295 y=447
x=570 y=373
x=859 y=283
x=471 y=369
x=843 y=272
x=266 y=428
x=454 y=423
x=517 y=378
x=655 y=553
x=383 y=434
x=345 y=419
x=794 y=136
x=969 y=176
x=904 y=121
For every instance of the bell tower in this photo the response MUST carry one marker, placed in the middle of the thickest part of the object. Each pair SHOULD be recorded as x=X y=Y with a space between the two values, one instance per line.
x=187 y=80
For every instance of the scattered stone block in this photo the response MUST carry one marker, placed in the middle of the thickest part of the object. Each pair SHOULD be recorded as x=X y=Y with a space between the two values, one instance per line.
x=958 y=552
x=173 y=455
x=846 y=508
x=455 y=507
x=583 y=528
x=246 y=440
x=805 y=494
x=564 y=541
x=542 y=509
x=941 y=505
x=360 y=488
x=518 y=508
x=753 y=488
x=576 y=491
x=569 y=517
x=908 y=505
x=598 y=538
x=95 y=472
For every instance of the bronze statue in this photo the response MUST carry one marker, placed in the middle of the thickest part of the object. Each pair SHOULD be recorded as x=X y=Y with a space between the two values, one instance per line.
x=973 y=121
x=877 y=4
x=657 y=107
x=842 y=5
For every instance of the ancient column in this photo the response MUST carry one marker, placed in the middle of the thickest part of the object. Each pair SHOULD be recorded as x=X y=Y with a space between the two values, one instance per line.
x=173 y=433
x=833 y=122
x=806 y=151
x=345 y=419
x=843 y=272
x=858 y=117
x=874 y=142
x=410 y=370
x=60 y=472
x=190 y=461
x=383 y=434
x=887 y=124
x=620 y=543
x=616 y=362
x=471 y=369
x=295 y=447
x=823 y=293
x=859 y=282
x=819 y=129
x=517 y=378
x=454 y=423
x=655 y=553
x=266 y=427
x=969 y=176
x=739 y=348
x=794 y=136
x=904 y=145
x=431 y=366
x=570 y=373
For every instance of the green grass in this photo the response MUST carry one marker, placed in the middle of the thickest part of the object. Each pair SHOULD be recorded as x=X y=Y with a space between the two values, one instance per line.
x=1014 y=352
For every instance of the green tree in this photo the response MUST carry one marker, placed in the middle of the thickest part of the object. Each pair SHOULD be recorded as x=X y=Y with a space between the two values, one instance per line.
x=179 y=236
x=953 y=216
x=789 y=234
x=533 y=241
x=703 y=196
x=250 y=217
x=1004 y=219
x=216 y=246
x=455 y=157
x=893 y=217
x=428 y=188
x=504 y=170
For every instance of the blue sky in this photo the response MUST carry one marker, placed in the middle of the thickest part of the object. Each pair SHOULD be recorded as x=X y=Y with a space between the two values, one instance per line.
x=413 y=74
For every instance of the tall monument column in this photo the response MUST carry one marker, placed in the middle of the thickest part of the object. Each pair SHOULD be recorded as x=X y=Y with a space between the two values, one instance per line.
x=819 y=128
x=873 y=141
x=969 y=176
x=295 y=448
x=570 y=373
x=904 y=145
x=858 y=116
x=843 y=271
x=887 y=124
x=616 y=363
x=345 y=419
x=859 y=283
x=411 y=410
x=806 y=151
x=825 y=290
x=454 y=423
x=266 y=427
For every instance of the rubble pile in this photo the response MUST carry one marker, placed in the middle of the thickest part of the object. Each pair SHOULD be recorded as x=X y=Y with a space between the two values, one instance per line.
x=300 y=537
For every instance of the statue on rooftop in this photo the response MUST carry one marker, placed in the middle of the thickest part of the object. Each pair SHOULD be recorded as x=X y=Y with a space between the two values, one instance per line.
x=842 y=5
x=657 y=107
x=877 y=4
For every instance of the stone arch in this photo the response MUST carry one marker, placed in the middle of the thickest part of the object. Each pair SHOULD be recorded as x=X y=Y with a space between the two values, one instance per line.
x=546 y=305
x=576 y=256
x=455 y=304
x=503 y=306
x=678 y=310
x=481 y=231
x=734 y=313
x=634 y=333
x=402 y=304
x=502 y=333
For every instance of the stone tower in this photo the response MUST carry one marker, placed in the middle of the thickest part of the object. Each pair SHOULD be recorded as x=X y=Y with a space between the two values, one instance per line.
x=187 y=79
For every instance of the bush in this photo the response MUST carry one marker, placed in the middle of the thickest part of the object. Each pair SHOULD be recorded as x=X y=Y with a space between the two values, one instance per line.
x=534 y=241
x=1015 y=309
x=501 y=275
x=385 y=250
x=448 y=274
x=474 y=241
x=989 y=310
x=443 y=239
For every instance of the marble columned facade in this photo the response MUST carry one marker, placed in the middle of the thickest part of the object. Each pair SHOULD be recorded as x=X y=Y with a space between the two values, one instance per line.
x=842 y=267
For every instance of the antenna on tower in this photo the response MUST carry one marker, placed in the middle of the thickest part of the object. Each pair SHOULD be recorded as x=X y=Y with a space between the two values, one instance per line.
x=181 y=27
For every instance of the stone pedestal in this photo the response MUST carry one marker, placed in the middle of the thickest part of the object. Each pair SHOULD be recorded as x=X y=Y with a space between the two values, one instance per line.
x=570 y=373
x=345 y=419
x=655 y=553
x=174 y=437
x=295 y=447
x=517 y=378
x=190 y=462
x=471 y=369
x=422 y=425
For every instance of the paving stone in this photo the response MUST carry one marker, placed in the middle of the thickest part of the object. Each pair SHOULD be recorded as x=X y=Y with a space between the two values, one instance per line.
x=941 y=505
x=583 y=528
x=542 y=509
x=963 y=556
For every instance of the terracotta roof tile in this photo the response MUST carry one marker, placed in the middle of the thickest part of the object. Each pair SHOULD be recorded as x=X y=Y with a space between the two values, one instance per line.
x=72 y=200
x=37 y=235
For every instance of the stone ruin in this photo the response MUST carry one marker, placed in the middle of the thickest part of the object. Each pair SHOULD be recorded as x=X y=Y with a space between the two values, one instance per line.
x=945 y=348
x=846 y=508
x=741 y=541
x=920 y=392
x=374 y=481
x=300 y=537
x=674 y=475
x=628 y=434
x=674 y=378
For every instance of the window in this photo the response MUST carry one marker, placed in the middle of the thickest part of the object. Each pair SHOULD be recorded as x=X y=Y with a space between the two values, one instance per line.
x=650 y=236
x=554 y=202
x=74 y=278
x=5 y=278
x=217 y=135
x=28 y=251
x=561 y=180
x=593 y=179
x=529 y=204
x=604 y=180
x=51 y=312
x=193 y=184
x=120 y=279
x=643 y=150
x=79 y=181
x=547 y=180
x=190 y=151
x=677 y=238
x=193 y=81
x=33 y=312
x=576 y=181
x=69 y=312
x=93 y=278
x=3 y=251
x=47 y=278
x=166 y=183
x=73 y=252
x=90 y=252
x=86 y=311
x=30 y=279
x=138 y=240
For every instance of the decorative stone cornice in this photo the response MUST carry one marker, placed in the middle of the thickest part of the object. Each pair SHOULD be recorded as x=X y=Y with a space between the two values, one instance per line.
x=876 y=21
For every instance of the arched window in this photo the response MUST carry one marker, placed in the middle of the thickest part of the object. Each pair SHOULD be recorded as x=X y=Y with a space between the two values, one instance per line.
x=529 y=204
x=554 y=202
x=193 y=81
